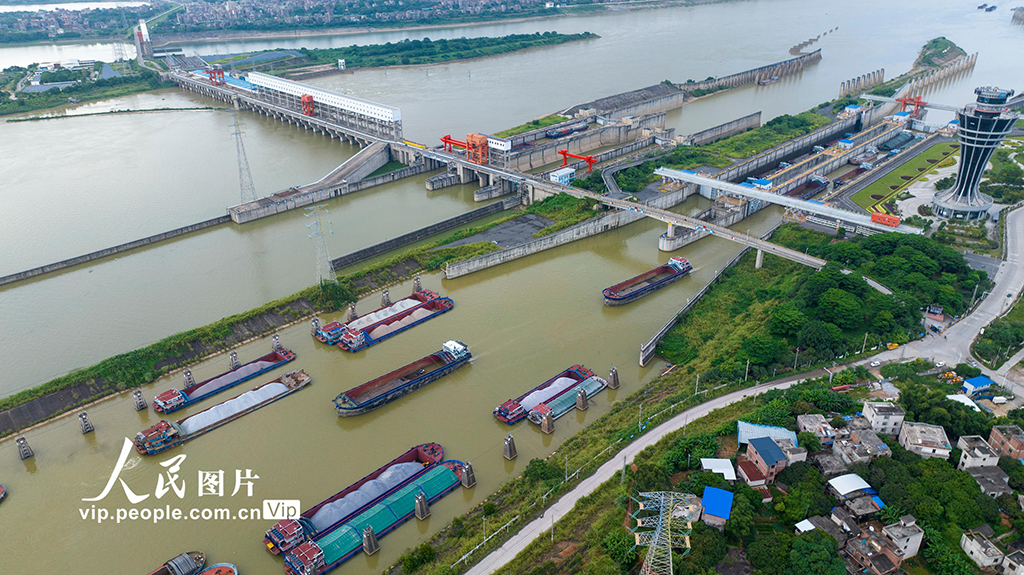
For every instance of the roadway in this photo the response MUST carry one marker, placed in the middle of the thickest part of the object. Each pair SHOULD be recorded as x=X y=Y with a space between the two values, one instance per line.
x=955 y=346
x=559 y=509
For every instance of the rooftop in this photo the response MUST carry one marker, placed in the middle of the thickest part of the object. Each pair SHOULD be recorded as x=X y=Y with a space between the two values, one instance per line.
x=975 y=444
x=991 y=479
x=717 y=502
x=720 y=466
x=961 y=398
x=926 y=435
x=846 y=521
x=768 y=450
x=848 y=483
x=1011 y=432
x=829 y=464
x=751 y=471
x=826 y=525
x=870 y=546
x=884 y=408
x=978 y=382
x=905 y=528
x=747 y=431
x=861 y=506
x=986 y=546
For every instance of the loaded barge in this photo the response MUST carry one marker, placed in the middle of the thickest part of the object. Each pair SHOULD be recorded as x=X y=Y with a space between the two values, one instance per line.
x=175 y=399
x=387 y=388
x=384 y=322
x=288 y=534
x=566 y=130
x=845 y=178
x=185 y=564
x=809 y=189
x=167 y=434
x=647 y=282
x=332 y=548
x=514 y=410
x=565 y=402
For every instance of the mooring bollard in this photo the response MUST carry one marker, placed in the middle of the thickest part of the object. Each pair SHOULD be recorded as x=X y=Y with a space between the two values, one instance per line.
x=86 y=425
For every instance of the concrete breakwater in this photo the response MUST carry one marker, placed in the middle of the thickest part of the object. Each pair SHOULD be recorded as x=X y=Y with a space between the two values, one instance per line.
x=776 y=70
x=723 y=131
x=582 y=230
x=92 y=256
x=417 y=235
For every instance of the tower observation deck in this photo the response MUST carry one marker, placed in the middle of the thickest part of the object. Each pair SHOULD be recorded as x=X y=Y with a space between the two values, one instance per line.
x=983 y=125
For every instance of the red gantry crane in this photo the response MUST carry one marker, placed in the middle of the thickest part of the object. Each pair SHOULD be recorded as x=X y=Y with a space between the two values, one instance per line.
x=475 y=146
x=590 y=160
x=216 y=76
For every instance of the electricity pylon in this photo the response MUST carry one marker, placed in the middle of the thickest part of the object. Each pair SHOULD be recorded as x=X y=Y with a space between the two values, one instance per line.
x=244 y=173
x=324 y=269
x=669 y=528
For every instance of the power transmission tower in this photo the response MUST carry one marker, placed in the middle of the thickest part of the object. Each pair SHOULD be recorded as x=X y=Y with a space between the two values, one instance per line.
x=121 y=57
x=324 y=269
x=244 y=173
x=669 y=527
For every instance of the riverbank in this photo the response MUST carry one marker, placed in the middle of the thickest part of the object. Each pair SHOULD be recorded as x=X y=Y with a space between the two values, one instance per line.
x=113 y=113
x=144 y=81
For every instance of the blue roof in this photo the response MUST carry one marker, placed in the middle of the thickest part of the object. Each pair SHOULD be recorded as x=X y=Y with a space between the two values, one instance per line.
x=762 y=181
x=747 y=184
x=717 y=502
x=901 y=114
x=746 y=431
x=878 y=501
x=846 y=141
x=768 y=450
x=980 y=381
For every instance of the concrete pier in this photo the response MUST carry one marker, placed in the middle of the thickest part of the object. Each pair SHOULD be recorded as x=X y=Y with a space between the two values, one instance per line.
x=509 y=451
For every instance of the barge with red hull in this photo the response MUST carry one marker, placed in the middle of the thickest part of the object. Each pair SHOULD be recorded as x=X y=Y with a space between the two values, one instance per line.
x=185 y=564
x=288 y=534
x=174 y=399
x=385 y=322
x=167 y=434
x=387 y=388
x=332 y=548
x=647 y=282
x=515 y=410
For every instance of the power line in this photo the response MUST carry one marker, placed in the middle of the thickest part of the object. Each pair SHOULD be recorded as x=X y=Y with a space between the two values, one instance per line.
x=244 y=173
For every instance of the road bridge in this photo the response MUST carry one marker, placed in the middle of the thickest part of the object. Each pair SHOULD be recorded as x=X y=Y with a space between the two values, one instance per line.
x=862 y=220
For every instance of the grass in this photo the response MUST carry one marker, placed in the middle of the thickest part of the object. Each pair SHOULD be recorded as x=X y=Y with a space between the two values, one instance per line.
x=769 y=135
x=532 y=125
x=912 y=169
x=391 y=166
x=937 y=52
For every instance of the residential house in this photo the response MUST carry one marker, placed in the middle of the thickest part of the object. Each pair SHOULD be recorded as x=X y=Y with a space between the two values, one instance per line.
x=861 y=446
x=1007 y=440
x=817 y=424
x=992 y=480
x=905 y=534
x=767 y=456
x=847 y=522
x=792 y=452
x=717 y=506
x=1013 y=564
x=826 y=525
x=976 y=385
x=874 y=554
x=830 y=464
x=884 y=417
x=981 y=550
x=925 y=439
x=975 y=452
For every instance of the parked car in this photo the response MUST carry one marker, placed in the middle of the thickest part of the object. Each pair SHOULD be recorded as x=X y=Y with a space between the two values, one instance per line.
x=876 y=363
x=940 y=364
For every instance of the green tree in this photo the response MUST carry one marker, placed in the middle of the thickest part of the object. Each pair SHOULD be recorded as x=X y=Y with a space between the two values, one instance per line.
x=841 y=308
x=618 y=544
x=740 y=526
x=786 y=320
x=809 y=441
x=814 y=552
x=769 y=552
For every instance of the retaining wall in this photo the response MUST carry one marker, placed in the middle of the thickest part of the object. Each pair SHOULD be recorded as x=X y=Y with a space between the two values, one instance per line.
x=491 y=192
x=533 y=157
x=779 y=69
x=417 y=235
x=111 y=251
x=684 y=236
x=725 y=130
x=586 y=229
x=662 y=104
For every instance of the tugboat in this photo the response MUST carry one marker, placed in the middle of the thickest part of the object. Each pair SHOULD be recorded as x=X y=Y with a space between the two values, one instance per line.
x=220 y=569
x=768 y=81
x=185 y=564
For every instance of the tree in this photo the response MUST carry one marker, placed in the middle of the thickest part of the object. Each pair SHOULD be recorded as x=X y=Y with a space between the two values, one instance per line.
x=786 y=320
x=814 y=552
x=809 y=441
x=650 y=476
x=618 y=543
x=840 y=307
x=707 y=548
x=762 y=349
x=769 y=552
x=740 y=526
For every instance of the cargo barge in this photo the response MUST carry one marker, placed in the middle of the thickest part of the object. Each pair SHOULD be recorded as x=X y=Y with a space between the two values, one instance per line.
x=808 y=190
x=175 y=399
x=167 y=434
x=384 y=322
x=845 y=178
x=331 y=549
x=387 y=388
x=647 y=282
x=565 y=402
x=288 y=534
x=566 y=130
x=514 y=410
x=185 y=564
x=767 y=81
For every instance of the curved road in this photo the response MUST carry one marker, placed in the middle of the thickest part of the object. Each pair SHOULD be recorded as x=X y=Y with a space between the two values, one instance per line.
x=504 y=554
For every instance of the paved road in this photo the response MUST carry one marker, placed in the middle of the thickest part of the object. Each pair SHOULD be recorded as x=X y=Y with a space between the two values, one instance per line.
x=956 y=344
x=501 y=556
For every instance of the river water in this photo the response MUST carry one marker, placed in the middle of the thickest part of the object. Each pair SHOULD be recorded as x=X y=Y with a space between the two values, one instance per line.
x=78 y=184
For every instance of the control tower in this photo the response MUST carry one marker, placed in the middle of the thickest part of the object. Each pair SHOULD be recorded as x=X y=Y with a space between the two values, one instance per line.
x=983 y=125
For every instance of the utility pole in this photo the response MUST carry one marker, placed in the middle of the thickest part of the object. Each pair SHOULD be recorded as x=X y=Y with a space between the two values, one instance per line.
x=244 y=173
x=324 y=269
x=974 y=294
x=865 y=345
x=696 y=384
x=797 y=358
x=746 y=373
